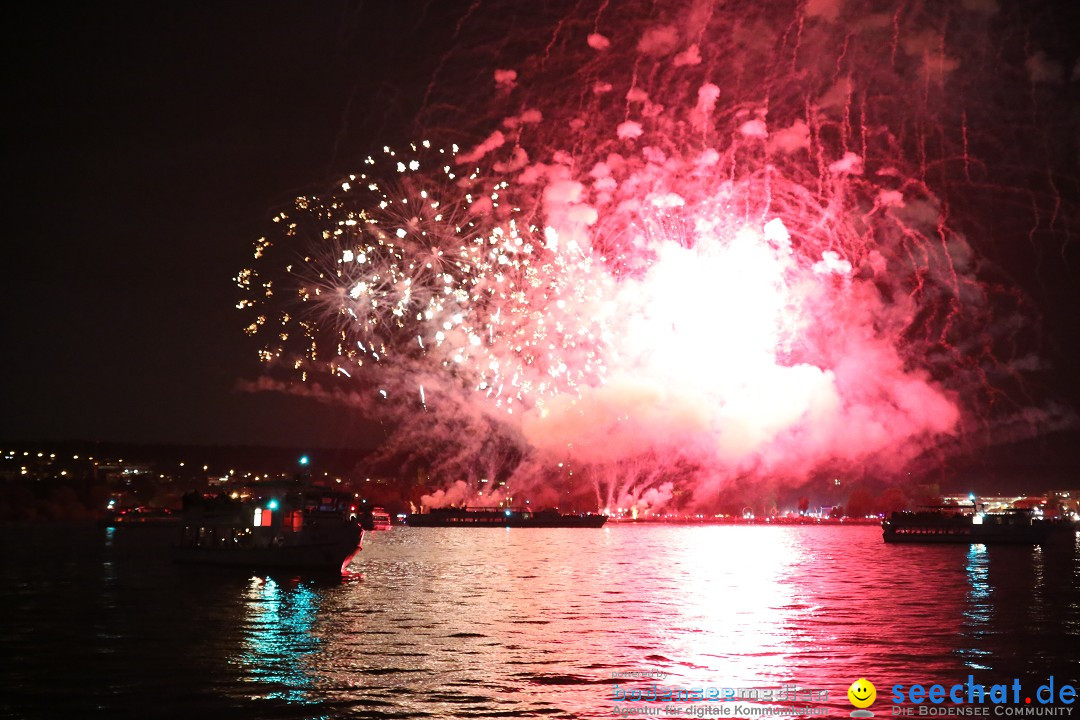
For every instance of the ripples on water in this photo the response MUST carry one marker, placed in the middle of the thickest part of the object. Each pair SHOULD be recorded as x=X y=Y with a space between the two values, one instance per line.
x=470 y=622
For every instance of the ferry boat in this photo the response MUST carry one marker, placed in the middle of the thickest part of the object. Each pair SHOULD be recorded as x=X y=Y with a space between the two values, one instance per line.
x=294 y=528
x=503 y=517
x=964 y=524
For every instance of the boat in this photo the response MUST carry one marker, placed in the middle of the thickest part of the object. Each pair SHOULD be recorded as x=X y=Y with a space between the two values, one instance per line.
x=380 y=519
x=503 y=517
x=280 y=527
x=966 y=524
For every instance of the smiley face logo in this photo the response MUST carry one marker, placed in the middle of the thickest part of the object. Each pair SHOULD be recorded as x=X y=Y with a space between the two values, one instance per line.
x=862 y=693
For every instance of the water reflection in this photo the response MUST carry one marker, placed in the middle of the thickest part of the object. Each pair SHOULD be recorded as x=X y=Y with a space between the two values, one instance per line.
x=1036 y=609
x=541 y=621
x=978 y=609
x=734 y=604
x=458 y=621
x=279 y=645
x=475 y=622
x=1020 y=611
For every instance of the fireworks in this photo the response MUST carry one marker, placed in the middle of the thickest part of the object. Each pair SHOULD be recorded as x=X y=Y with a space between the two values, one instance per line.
x=434 y=274
x=701 y=245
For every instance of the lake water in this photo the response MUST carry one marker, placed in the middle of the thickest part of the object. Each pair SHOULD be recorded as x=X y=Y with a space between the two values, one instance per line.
x=487 y=622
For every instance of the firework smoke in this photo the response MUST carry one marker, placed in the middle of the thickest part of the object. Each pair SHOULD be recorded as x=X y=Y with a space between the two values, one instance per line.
x=681 y=244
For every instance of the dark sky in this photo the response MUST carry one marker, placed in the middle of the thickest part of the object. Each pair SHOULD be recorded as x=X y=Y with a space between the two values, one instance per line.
x=146 y=147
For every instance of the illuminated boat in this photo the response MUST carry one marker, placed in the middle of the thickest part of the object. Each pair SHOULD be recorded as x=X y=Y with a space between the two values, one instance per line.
x=962 y=524
x=308 y=529
x=503 y=517
x=380 y=519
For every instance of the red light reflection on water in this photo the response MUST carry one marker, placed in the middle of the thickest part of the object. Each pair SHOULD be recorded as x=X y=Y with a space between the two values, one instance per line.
x=734 y=598
x=544 y=621
x=815 y=608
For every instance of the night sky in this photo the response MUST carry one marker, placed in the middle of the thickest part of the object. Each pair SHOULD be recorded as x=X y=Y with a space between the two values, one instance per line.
x=146 y=147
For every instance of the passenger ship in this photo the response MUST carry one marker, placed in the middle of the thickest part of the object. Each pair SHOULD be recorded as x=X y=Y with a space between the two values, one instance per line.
x=964 y=524
x=290 y=527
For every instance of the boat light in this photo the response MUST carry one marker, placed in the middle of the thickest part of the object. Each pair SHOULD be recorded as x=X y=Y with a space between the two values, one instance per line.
x=272 y=505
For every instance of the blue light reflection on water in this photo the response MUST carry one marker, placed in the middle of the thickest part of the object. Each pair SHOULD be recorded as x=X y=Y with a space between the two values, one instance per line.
x=979 y=609
x=279 y=645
